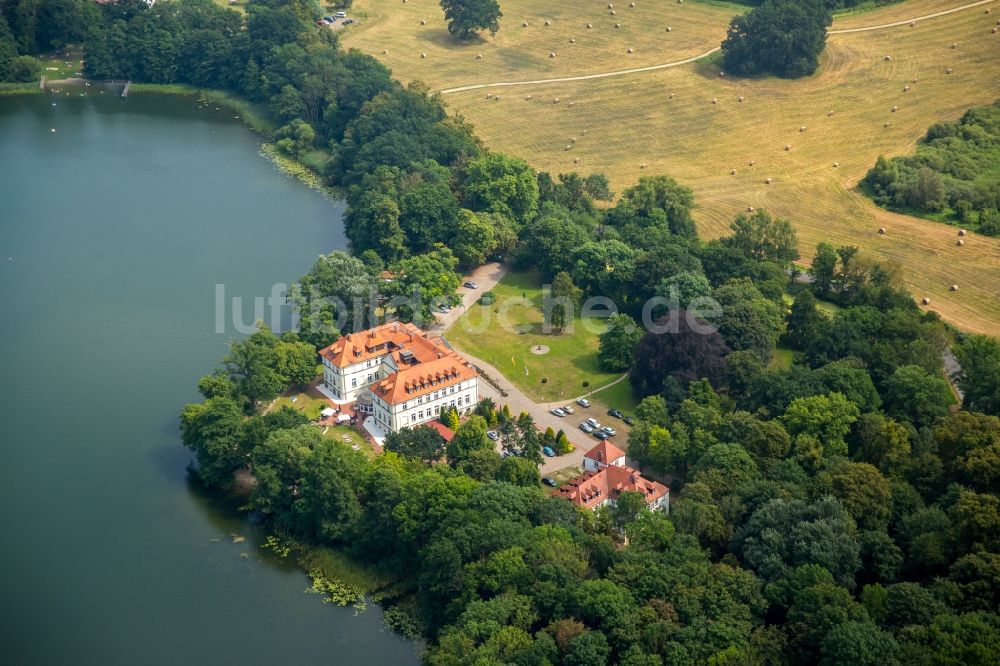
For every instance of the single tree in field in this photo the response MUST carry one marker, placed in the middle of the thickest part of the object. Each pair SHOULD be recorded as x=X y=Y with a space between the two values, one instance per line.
x=466 y=17
x=618 y=343
x=782 y=37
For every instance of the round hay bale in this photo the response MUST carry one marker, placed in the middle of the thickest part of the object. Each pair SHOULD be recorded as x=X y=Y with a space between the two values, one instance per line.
x=715 y=100
x=423 y=21
x=960 y=242
x=489 y=95
x=548 y=22
x=741 y=98
x=829 y=113
x=948 y=71
x=749 y=209
x=629 y=51
x=572 y=41
x=527 y=97
x=642 y=166
x=895 y=109
x=479 y=56
x=497 y=98
x=571 y=103
x=881 y=231
x=680 y=2
x=671 y=96
x=385 y=51
x=669 y=29
x=768 y=181
x=788 y=147
x=524 y=25
x=610 y=6
x=906 y=88
x=925 y=300
x=423 y=55
x=954 y=46
x=752 y=162
x=589 y=26
x=612 y=13
x=732 y=172
x=888 y=58
x=913 y=23
x=722 y=73
x=576 y=160
x=987 y=11
x=552 y=55
x=993 y=30
x=555 y=100
x=887 y=125
x=961 y=232
x=618 y=25
x=572 y=139
x=913 y=80
x=585 y=132
x=569 y=147
x=836 y=165
x=802 y=128
x=954 y=287
x=632 y=6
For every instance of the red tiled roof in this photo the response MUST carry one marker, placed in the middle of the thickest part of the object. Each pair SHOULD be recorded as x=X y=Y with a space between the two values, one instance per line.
x=443 y=430
x=424 y=365
x=605 y=453
x=591 y=488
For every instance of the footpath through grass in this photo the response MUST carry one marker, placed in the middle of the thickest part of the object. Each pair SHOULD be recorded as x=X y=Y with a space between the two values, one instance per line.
x=503 y=334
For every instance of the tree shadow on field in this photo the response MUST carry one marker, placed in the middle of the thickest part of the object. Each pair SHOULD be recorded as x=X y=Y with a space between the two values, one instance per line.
x=441 y=38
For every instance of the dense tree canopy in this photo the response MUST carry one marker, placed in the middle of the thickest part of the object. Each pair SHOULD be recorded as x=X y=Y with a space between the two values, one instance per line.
x=783 y=37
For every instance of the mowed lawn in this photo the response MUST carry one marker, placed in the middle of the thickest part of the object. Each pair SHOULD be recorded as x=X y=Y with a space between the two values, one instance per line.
x=504 y=333
x=519 y=53
x=664 y=122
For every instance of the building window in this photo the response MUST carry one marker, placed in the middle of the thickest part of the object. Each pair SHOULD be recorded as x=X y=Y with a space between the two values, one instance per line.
x=437 y=409
x=354 y=382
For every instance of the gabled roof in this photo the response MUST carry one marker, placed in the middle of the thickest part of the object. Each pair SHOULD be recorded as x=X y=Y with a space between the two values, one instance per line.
x=605 y=453
x=592 y=488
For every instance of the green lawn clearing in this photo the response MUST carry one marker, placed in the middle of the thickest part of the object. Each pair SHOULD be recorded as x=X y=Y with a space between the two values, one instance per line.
x=503 y=334
x=619 y=396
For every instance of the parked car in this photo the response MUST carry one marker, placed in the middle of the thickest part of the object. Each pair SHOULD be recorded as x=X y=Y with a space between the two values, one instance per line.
x=348 y=21
x=609 y=431
x=629 y=420
x=321 y=23
x=493 y=434
x=549 y=452
x=586 y=427
x=341 y=14
x=583 y=402
x=594 y=423
x=549 y=481
x=558 y=411
x=329 y=19
x=601 y=435
x=568 y=409
x=504 y=454
x=471 y=285
x=615 y=413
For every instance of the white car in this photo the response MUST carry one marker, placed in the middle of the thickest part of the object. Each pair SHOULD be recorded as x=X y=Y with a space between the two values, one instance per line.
x=583 y=402
x=594 y=423
x=611 y=431
x=586 y=427
x=568 y=409
x=493 y=434
x=558 y=411
x=341 y=15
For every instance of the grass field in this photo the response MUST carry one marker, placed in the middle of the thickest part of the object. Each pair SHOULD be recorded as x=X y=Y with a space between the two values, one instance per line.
x=504 y=333
x=625 y=122
x=619 y=396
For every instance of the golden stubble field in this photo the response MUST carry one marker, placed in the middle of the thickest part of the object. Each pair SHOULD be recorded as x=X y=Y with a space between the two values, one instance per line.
x=665 y=121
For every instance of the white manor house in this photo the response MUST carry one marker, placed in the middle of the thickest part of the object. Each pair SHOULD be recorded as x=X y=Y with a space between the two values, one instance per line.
x=398 y=375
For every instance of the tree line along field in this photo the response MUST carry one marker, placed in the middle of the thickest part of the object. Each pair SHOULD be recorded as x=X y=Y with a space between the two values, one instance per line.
x=665 y=122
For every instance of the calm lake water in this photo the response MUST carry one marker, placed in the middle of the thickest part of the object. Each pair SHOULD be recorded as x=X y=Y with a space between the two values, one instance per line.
x=114 y=231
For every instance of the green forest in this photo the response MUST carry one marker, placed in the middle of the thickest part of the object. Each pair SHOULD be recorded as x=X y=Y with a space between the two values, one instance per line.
x=843 y=510
x=954 y=176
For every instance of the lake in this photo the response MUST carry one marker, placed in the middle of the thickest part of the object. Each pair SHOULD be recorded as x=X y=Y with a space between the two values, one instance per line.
x=114 y=232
